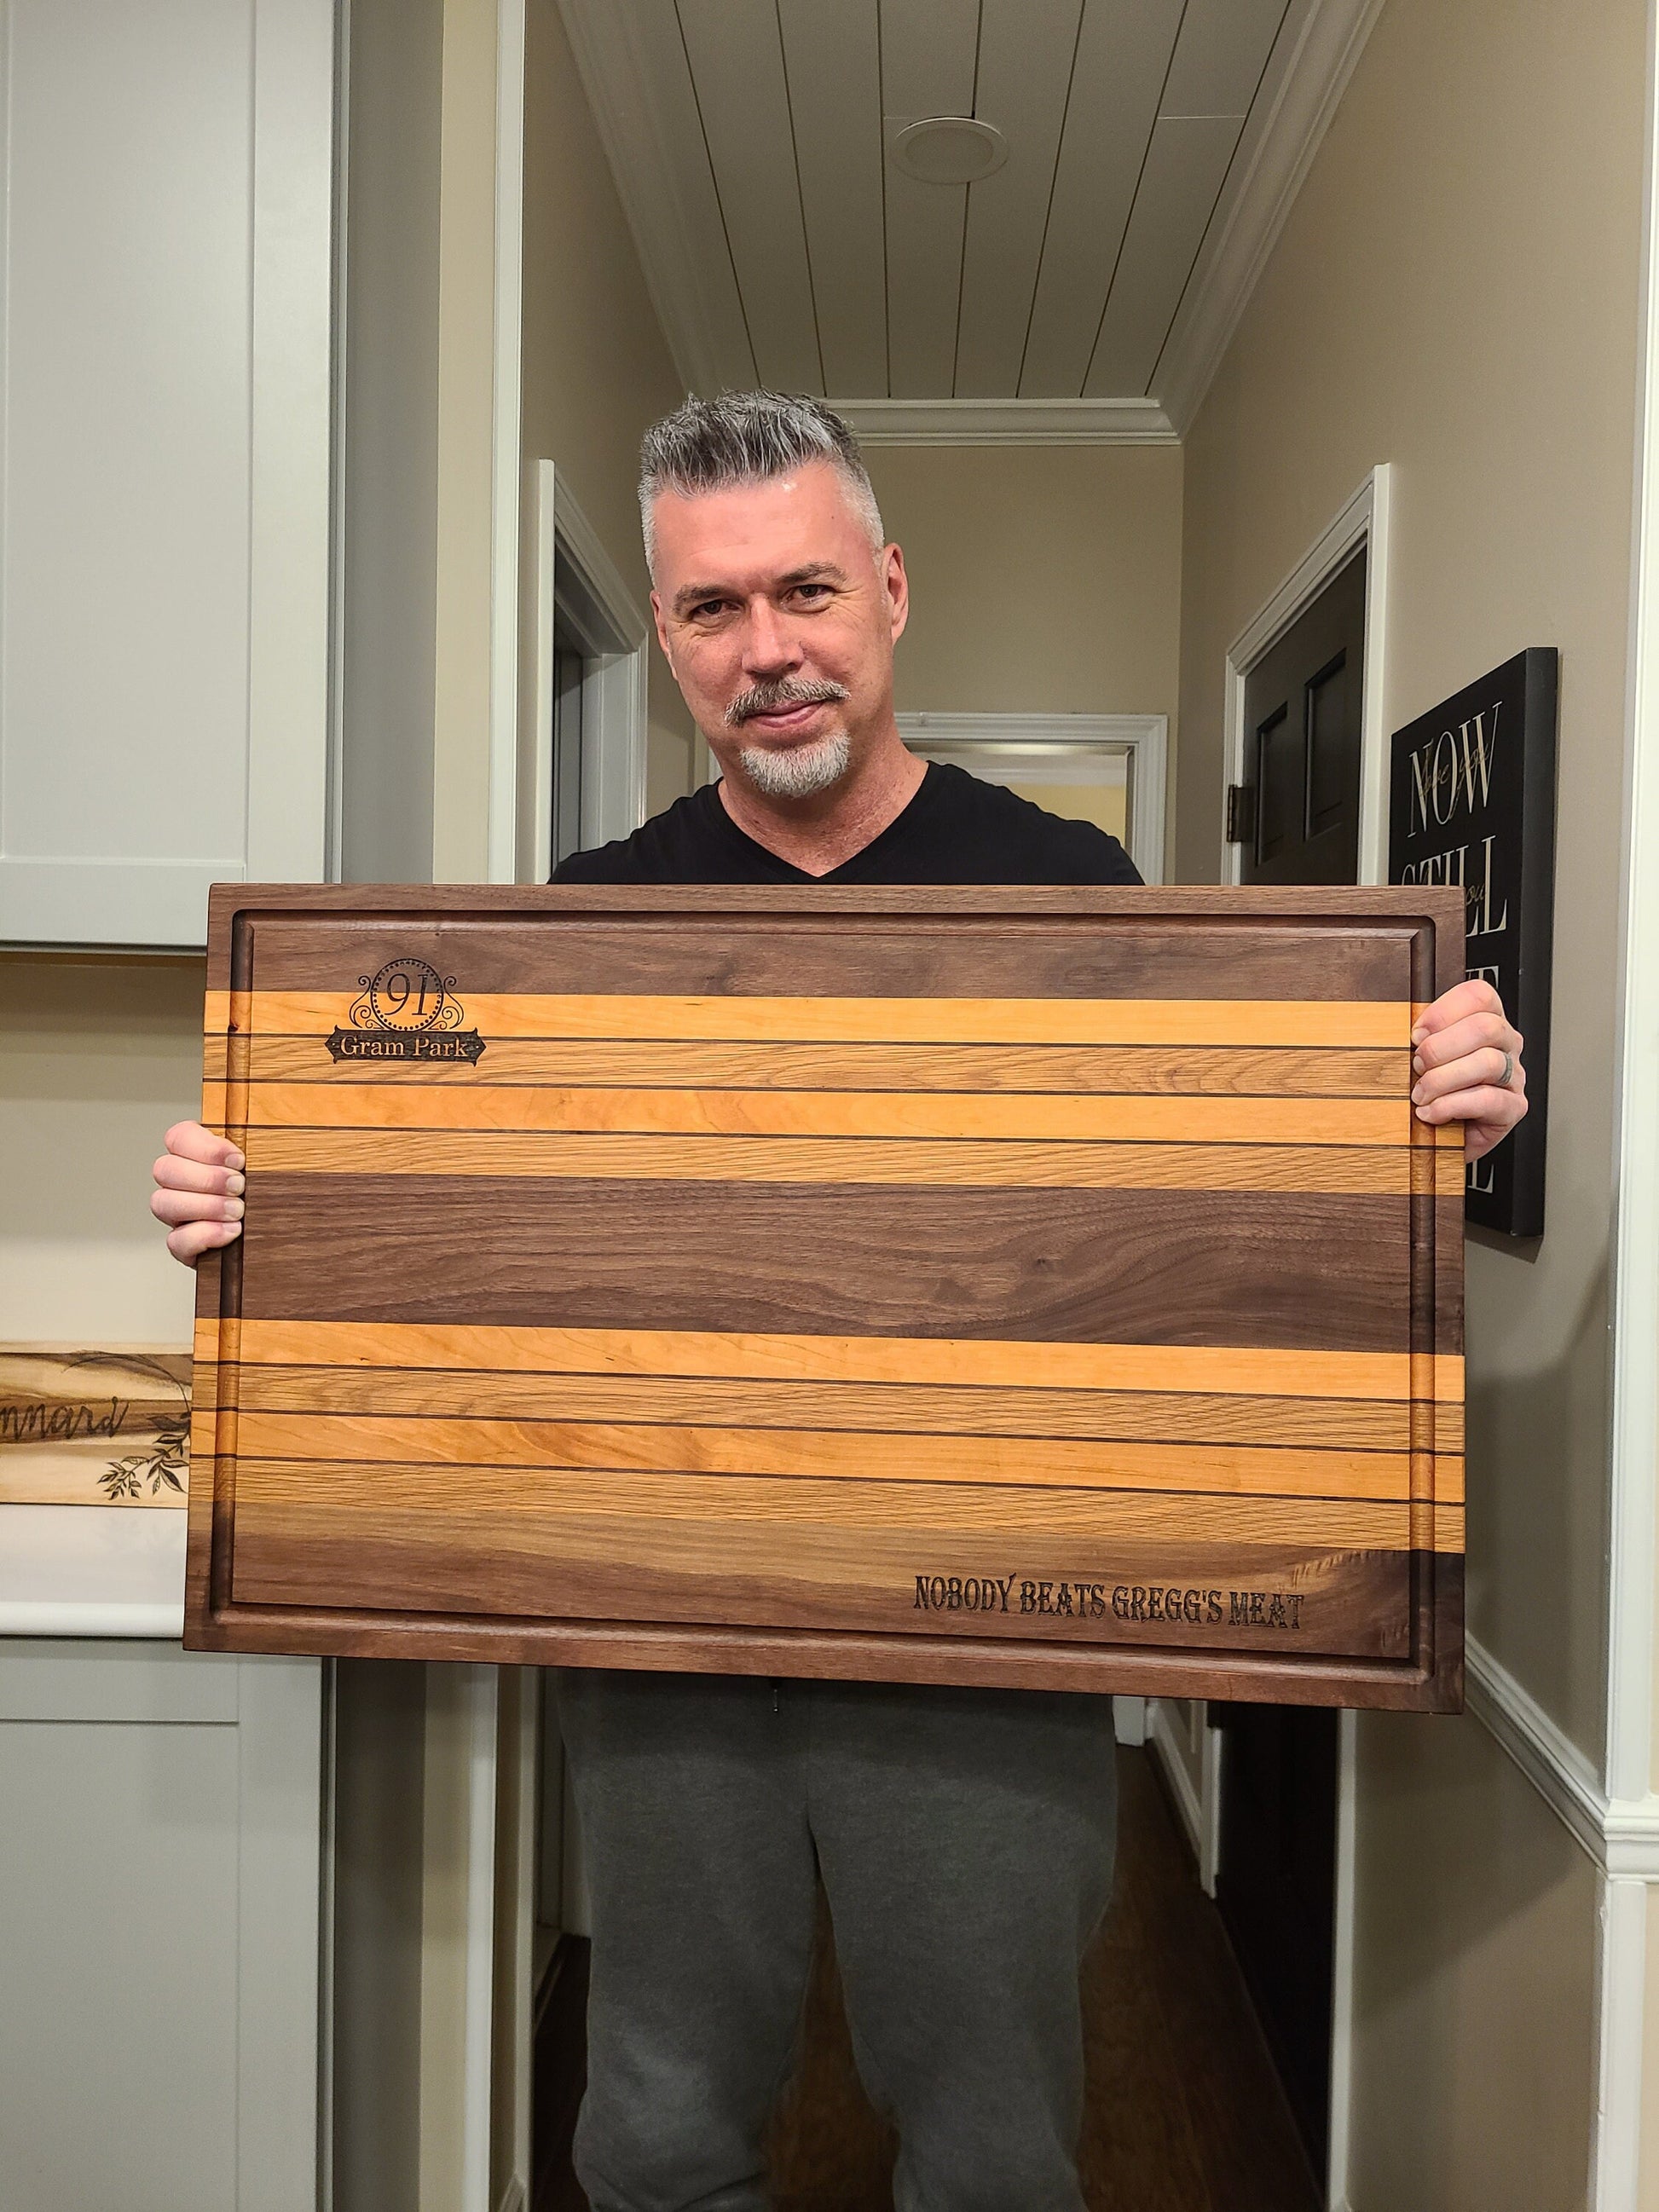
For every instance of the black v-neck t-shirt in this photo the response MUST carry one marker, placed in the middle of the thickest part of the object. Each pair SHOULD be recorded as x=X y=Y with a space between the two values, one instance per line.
x=956 y=829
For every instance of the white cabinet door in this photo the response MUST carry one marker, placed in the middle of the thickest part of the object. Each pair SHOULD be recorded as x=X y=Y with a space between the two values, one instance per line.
x=161 y=1857
x=165 y=279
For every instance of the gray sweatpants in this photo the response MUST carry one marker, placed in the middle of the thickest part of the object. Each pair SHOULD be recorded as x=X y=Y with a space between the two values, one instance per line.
x=965 y=1839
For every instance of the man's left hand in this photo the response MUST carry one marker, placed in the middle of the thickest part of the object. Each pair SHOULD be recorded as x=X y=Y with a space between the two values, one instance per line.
x=1462 y=1047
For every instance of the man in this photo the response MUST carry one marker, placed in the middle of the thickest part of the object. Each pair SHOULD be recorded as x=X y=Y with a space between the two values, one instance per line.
x=965 y=1839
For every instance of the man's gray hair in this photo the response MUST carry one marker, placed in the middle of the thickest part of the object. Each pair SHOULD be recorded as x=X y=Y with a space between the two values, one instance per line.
x=748 y=437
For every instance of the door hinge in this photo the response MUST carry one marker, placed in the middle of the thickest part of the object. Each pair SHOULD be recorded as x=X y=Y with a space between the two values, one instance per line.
x=1240 y=813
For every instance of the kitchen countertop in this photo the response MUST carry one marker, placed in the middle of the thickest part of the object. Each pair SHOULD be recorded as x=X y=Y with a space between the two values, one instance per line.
x=92 y=1571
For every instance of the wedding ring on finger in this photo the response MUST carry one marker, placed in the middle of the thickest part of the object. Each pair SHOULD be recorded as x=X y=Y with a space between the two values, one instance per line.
x=1508 y=1076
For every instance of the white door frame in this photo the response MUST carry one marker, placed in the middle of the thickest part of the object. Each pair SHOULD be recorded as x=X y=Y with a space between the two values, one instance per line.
x=1631 y=1819
x=1363 y=521
x=614 y=696
x=1145 y=737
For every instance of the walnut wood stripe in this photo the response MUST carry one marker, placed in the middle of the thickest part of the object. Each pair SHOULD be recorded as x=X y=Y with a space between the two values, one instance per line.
x=1347 y=1604
x=1008 y=1021
x=1091 y=1071
x=1218 y=1267
x=783 y=1357
x=975 y=1164
x=941 y=1113
x=966 y=1409
x=934 y=956
x=541 y=1446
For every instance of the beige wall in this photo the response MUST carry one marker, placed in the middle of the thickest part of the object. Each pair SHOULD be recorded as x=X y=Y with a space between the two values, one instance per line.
x=97 y=1058
x=595 y=368
x=1456 y=293
x=1043 y=578
x=1474 y=2011
x=388 y=461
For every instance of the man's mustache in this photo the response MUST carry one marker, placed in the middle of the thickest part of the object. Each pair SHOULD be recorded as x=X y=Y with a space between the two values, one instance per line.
x=782 y=691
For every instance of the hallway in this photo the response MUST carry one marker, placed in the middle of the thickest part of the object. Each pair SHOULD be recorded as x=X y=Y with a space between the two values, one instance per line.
x=1184 y=2113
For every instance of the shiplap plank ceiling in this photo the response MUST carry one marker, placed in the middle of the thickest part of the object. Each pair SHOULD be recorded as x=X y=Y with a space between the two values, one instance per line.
x=929 y=54
x=753 y=144
x=1025 y=59
x=838 y=145
x=1122 y=59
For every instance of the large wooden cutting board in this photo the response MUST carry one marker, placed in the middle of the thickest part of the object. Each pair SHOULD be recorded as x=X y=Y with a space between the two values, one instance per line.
x=1009 y=1286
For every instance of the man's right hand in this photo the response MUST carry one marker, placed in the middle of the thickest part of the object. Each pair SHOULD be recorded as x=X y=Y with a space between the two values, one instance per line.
x=198 y=1191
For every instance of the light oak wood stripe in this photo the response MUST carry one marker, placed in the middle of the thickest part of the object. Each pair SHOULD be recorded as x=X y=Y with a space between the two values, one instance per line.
x=787 y=1358
x=1279 y=1021
x=1151 y=1416
x=1449 y=1533
x=980 y=1163
x=1091 y=1071
x=537 y=1446
x=398 y=1494
x=955 y=1115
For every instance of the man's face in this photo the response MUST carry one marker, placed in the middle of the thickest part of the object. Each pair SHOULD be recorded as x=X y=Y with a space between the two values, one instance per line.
x=779 y=622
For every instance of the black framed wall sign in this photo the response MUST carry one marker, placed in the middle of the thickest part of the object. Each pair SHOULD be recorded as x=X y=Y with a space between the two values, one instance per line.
x=1472 y=801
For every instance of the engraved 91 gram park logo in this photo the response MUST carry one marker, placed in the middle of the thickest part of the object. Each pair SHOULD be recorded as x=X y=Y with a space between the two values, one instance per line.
x=406 y=1011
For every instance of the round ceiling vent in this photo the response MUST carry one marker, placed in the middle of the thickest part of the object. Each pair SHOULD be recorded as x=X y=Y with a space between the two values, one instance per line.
x=950 y=150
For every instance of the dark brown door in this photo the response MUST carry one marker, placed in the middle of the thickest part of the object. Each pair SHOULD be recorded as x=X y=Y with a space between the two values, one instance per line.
x=1276 y=1880
x=1302 y=734
x=1276 y=1889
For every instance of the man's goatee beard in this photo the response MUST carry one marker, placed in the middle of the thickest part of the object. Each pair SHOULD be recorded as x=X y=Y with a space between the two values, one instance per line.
x=799 y=771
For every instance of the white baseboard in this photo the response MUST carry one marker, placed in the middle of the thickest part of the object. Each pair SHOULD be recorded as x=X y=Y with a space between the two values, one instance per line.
x=1163 y=1734
x=1129 y=1721
x=1621 y=1835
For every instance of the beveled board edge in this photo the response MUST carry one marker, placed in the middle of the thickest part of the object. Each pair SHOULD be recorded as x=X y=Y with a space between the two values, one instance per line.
x=849 y=1655
x=1396 y=904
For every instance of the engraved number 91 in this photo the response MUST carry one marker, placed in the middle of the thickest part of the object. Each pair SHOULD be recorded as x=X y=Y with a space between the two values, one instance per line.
x=407 y=994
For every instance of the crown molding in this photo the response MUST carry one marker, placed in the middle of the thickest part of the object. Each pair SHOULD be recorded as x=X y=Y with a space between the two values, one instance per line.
x=1007 y=422
x=1332 y=38
x=676 y=259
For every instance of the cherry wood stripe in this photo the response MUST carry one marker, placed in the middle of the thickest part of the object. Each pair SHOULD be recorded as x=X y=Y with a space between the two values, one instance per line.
x=1223 y=1370
x=957 y=1116
x=538 y=1447
x=978 y=1164
x=966 y=1409
x=931 y=955
x=1219 y=1267
x=1006 y=1021
x=1091 y=1071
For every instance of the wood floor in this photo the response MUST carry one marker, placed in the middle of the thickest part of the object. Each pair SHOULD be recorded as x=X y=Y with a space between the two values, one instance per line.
x=1184 y=2111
